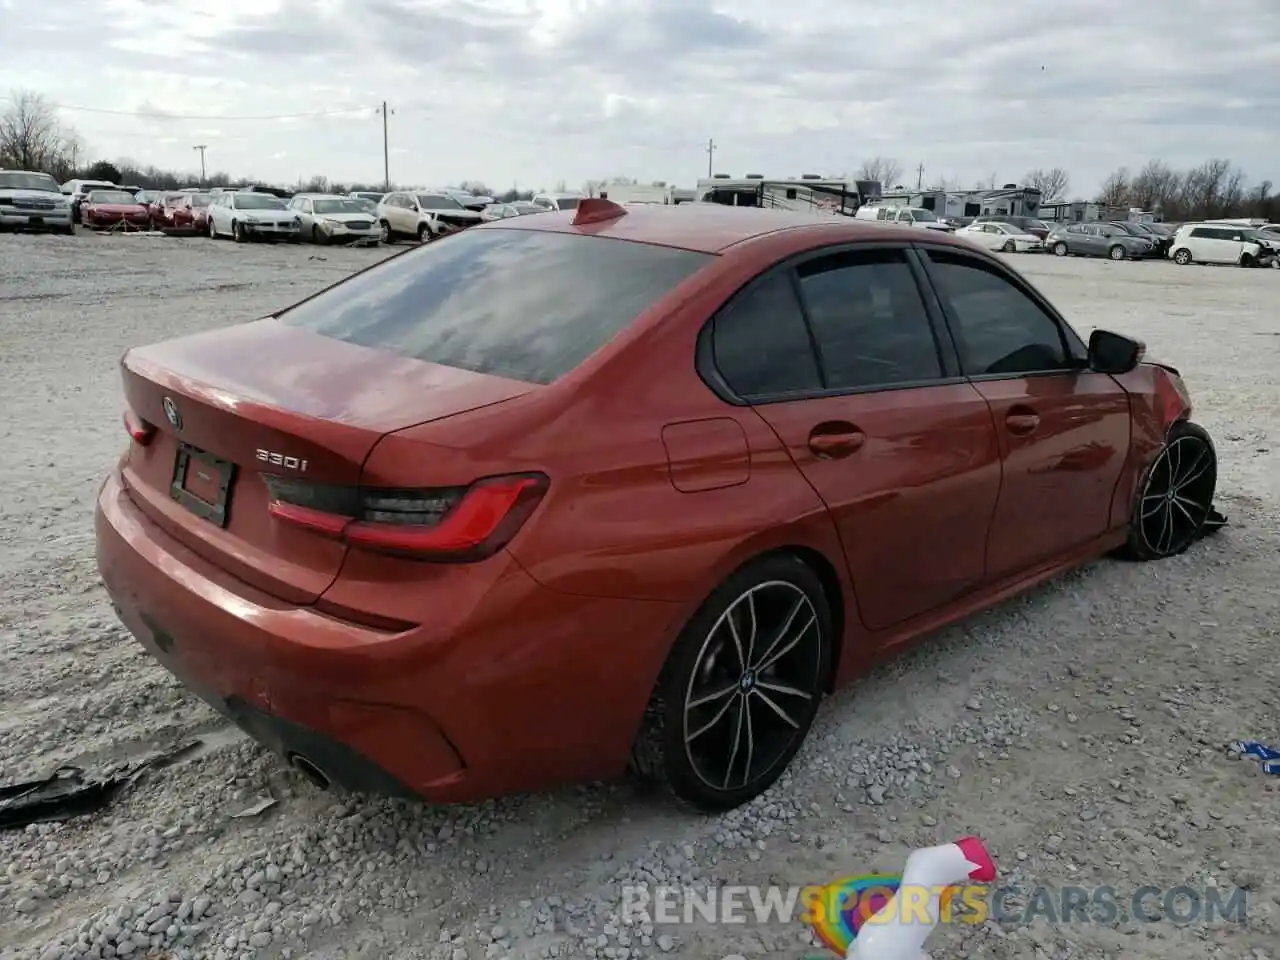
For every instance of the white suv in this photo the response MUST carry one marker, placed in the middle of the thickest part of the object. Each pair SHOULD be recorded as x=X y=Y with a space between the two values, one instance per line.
x=1217 y=243
x=30 y=199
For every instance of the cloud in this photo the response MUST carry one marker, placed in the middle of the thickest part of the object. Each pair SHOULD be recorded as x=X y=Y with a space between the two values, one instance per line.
x=536 y=91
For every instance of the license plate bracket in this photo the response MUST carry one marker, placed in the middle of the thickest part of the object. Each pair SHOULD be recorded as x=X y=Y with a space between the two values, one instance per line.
x=202 y=483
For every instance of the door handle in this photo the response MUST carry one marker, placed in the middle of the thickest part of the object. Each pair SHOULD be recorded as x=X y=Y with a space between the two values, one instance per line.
x=830 y=446
x=1021 y=420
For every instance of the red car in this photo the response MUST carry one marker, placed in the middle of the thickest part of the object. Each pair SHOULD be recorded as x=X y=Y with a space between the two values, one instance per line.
x=672 y=476
x=104 y=209
x=184 y=213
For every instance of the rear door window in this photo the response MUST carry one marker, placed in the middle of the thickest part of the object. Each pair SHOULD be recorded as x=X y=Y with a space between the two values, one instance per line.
x=869 y=320
x=523 y=304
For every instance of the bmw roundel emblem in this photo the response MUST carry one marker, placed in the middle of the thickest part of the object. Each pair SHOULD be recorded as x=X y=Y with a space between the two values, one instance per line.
x=171 y=411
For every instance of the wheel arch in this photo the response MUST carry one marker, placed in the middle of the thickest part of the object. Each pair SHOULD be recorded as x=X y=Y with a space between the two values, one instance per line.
x=833 y=591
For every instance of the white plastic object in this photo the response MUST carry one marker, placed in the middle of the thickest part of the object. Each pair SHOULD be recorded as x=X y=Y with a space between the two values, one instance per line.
x=887 y=935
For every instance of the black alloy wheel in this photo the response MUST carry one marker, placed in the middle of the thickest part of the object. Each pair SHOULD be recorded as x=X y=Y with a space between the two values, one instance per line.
x=1177 y=495
x=741 y=687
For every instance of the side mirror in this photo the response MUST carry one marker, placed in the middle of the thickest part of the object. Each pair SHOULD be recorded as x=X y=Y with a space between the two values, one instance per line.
x=1113 y=352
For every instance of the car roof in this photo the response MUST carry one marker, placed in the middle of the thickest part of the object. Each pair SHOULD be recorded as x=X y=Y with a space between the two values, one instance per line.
x=708 y=228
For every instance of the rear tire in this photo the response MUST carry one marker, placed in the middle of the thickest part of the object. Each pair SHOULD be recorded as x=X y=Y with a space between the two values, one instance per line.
x=1176 y=495
x=1060 y=249
x=1182 y=256
x=740 y=687
x=1117 y=252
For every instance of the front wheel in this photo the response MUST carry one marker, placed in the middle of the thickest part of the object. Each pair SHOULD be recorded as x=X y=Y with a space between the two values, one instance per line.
x=424 y=233
x=1176 y=496
x=212 y=230
x=237 y=232
x=315 y=235
x=1009 y=246
x=740 y=687
x=1246 y=260
x=1060 y=249
x=1116 y=252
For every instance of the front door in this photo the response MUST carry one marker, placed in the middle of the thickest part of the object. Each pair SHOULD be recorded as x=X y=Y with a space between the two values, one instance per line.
x=1064 y=431
x=905 y=458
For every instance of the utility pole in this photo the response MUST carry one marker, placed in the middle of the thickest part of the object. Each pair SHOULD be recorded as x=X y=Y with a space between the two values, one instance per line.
x=920 y=177
x=386 y=152
x=202 y=147
x=711 y=149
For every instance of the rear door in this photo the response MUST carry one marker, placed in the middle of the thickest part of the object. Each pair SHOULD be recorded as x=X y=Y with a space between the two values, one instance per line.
x=899 y=447
x=1064 y=430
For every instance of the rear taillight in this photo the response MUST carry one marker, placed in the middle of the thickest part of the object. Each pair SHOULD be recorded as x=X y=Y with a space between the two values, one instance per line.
x=442 y=524
x=141 y=431
x=1172 y=399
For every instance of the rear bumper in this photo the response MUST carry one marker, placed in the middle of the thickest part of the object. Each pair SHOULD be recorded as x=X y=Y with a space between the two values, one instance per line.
x=476 y=705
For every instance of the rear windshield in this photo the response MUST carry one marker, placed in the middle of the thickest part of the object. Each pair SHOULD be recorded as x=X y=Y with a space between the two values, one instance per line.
x=521 y=304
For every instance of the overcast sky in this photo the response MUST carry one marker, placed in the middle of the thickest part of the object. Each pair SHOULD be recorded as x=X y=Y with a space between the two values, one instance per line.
x=536 y=91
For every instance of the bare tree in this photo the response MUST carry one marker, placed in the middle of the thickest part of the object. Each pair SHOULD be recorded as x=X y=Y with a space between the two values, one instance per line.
x=1231 y=197
x=30 y=137
x=1155 y=187
x=1115 y=189
x=884 y=170
x=1202 y=188
x=1051 y=183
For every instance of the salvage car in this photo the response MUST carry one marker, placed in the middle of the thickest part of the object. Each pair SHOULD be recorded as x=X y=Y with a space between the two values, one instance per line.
x=329 y=218
x=422 y=216
x=1108 y=240
x=252 y=215
x=30 y=200
x=114 y=210
x=998 y=235
x=676 y=474
x=184 y=213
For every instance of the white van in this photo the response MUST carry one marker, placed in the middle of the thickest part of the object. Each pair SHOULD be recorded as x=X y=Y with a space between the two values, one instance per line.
x=918 y=217
x=1217 y=243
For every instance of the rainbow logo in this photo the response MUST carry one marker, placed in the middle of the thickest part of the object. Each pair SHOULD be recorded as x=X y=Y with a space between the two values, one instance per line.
x=838 y=910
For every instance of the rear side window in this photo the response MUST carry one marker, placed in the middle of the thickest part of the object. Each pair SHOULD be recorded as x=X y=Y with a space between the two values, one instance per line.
x=760 y=342
x=521 y=304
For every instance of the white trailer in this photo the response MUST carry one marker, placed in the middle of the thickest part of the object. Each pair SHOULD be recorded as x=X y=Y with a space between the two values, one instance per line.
x=807 y=194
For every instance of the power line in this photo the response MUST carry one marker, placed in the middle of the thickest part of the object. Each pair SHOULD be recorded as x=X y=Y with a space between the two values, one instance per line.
x=165 y=115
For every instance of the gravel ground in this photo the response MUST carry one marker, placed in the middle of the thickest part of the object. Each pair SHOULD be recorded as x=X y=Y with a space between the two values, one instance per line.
x=1082 y=729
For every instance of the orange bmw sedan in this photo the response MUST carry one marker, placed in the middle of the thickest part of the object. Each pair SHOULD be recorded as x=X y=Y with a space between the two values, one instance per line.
x=619 y=488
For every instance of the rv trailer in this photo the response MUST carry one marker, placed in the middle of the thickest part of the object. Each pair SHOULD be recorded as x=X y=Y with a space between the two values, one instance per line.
x=807 y=194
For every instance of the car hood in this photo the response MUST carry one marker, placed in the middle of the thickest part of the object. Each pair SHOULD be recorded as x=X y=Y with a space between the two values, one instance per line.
x=364 y=216
x=265 y=214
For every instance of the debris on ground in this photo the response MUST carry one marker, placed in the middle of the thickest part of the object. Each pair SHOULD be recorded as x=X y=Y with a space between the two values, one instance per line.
x=68 y=792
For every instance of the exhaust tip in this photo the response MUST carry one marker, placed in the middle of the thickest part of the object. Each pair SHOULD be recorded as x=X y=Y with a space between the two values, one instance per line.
x=309 y=770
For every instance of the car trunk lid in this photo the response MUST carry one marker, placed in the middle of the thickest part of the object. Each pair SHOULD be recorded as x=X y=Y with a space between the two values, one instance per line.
x=221 y=411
